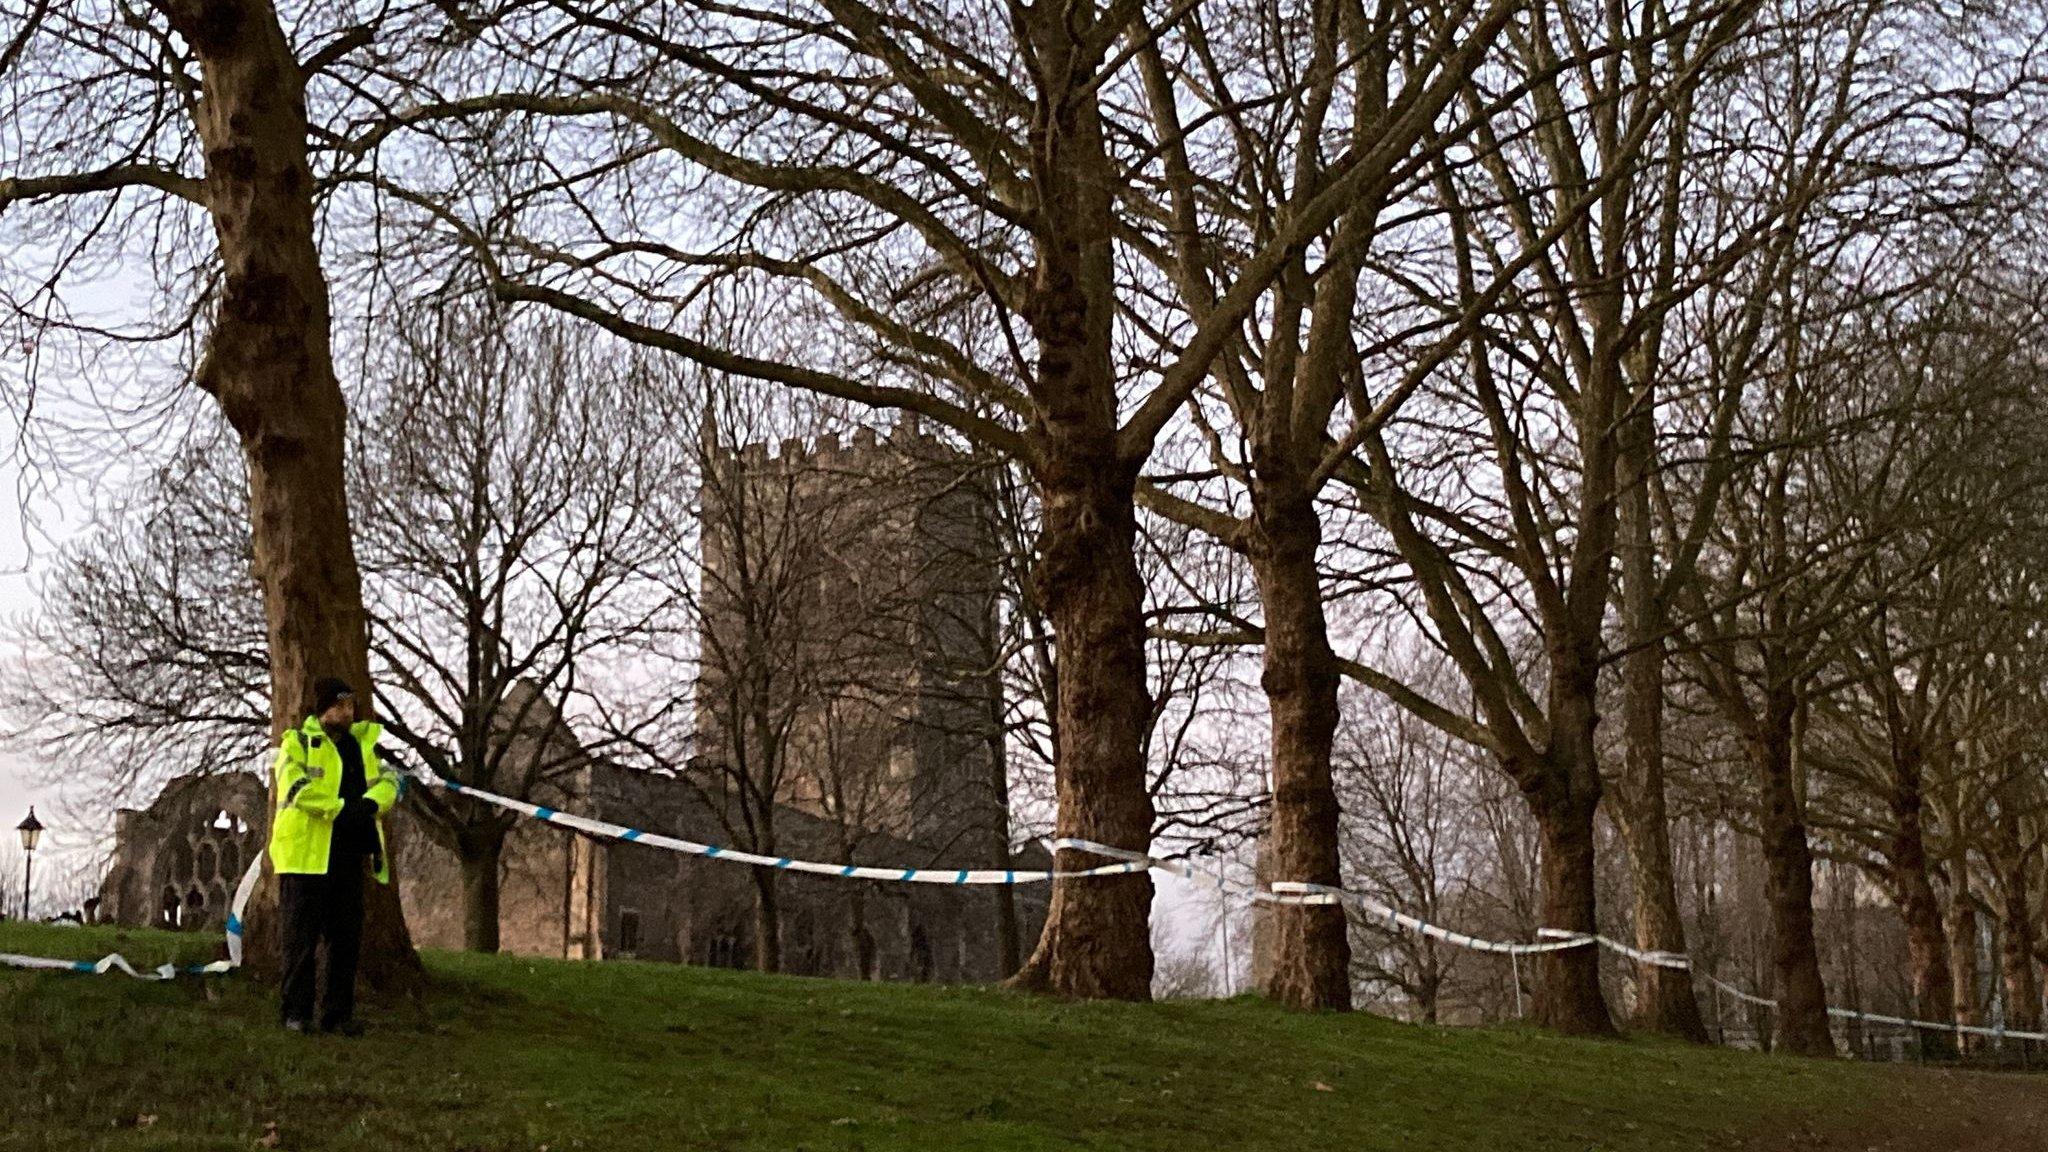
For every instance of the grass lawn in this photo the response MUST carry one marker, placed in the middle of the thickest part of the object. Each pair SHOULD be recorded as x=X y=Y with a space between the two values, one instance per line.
x=510 y=1053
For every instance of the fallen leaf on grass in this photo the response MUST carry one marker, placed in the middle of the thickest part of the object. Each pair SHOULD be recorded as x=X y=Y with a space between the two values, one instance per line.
x=1322 y=1087
x=270 y=1137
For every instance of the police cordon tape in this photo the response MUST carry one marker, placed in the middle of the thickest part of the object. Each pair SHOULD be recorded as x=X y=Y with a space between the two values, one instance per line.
x=1297 y=892
x=610 y=831
x=1129 y=862
x=1555 y=939
x=115 y=962
x=1888 y=1021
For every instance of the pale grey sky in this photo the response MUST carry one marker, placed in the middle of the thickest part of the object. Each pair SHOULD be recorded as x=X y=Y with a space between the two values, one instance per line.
x=16 y=598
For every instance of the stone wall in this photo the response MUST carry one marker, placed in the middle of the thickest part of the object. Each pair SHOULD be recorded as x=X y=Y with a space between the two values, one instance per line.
x=666 y=906
x=535 y=876
x=176 y=863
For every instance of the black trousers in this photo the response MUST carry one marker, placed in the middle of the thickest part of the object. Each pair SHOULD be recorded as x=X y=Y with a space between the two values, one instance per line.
x=322 y=909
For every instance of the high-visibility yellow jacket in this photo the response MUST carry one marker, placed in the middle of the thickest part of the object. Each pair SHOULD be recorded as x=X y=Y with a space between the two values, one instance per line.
x=308 y=772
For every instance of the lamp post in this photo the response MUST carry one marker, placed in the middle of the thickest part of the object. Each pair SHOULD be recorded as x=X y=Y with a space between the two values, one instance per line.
x=31 y=831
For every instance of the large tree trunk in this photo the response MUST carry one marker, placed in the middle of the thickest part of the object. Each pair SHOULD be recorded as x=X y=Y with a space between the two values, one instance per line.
x=1926 y=946
x=1567 y=789
x=482 y=852
x=1568 y=996
x=2016 y=959
x=269 y=365
x=1801 y=1017
x=1310 y=960
x=767 y=920
x=1563 y=793
x=2016 y=926
x=1962 y=953
x=1664 y=996
x=1097 y=941
x=1097 y=938
x=1665 y=999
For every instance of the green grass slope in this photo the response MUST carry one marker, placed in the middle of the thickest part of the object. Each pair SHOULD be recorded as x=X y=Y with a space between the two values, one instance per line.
x=509 y=1053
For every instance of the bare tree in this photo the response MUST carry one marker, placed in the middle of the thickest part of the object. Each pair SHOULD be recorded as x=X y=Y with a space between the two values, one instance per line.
x=949 y=211
x=506 y=483
x=1928 y=668
x=1501 y=492
x=206 y=104
x=147 y=650
x=1412 y=843
x=509 y=479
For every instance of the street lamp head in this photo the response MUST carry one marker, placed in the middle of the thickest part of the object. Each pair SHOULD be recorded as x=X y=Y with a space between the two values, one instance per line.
x=31 y=831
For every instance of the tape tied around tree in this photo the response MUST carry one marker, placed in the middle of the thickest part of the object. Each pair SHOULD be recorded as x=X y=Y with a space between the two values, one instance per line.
x=605 y=830
x=1886 y=1021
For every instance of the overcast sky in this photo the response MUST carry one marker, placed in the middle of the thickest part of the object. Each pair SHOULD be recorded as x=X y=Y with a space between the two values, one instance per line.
x=15 y=599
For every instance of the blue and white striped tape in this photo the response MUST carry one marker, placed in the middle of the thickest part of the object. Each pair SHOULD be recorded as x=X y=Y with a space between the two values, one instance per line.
x=115 y=962
x=606 y=830
x=1890 y=1021
x=1129 y=862
x=1297 y=892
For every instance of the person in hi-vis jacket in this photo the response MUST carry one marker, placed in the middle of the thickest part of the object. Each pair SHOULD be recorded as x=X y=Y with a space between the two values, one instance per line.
x=326 y=837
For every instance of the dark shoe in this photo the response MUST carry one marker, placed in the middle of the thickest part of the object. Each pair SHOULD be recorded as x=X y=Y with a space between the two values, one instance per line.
x=350 y=1027
x=300 y=1026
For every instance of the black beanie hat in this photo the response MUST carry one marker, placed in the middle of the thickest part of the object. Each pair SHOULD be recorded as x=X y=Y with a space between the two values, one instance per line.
x=328 y=690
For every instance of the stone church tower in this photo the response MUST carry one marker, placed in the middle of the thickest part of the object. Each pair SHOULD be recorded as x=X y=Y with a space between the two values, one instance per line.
x=848 y=699
x=849 y=645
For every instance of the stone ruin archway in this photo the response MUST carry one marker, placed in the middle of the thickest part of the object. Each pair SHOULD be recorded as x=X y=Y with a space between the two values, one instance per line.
x=177 y=863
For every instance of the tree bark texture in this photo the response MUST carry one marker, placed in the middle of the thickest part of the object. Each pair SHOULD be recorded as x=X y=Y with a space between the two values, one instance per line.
x=1962 y=954
x=1311 y=948
x=1665 y=998
x=767 y=920
x=1567 y=996
x=482 y=853
x=1097 y=939
x=2014 y=860
x=1801 y=1019
x=1926 y=945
